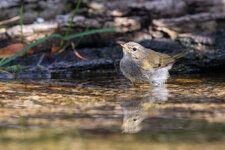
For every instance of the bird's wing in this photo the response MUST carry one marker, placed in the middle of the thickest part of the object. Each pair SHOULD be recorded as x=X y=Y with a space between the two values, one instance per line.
x=166 y=60
x=157 y=60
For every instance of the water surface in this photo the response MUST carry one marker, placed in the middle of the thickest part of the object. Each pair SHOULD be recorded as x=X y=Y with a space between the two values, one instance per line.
x=108 y=113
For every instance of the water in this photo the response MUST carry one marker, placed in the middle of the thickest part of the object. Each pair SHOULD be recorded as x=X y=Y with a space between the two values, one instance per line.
x=108 y=113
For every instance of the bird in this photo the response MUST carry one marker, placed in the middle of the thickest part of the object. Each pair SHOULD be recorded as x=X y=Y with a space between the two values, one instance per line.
x=143 y=65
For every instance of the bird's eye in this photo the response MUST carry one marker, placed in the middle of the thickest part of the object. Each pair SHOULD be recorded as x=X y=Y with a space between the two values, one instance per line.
x=134 y=119
x=134 y=49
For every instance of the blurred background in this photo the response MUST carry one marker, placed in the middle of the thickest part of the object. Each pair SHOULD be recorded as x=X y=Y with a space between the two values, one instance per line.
x=168 y=26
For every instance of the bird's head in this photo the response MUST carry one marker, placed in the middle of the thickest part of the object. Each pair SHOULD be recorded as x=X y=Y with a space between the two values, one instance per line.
x=133 y=50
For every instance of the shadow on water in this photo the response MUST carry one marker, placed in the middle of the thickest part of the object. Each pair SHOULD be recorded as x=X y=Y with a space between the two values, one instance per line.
x=108 y=111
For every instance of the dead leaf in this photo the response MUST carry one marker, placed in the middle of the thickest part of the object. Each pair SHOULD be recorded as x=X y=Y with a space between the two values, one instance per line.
x=80 y=86
x=79 y=56
x=12 y=49
x=76 y=53
x=54 y=48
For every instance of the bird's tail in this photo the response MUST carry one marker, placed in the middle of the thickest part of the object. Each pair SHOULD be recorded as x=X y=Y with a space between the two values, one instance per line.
x=179 y=55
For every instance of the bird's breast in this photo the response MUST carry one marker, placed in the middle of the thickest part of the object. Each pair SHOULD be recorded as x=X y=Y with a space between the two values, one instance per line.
x=129 y=66
x=131 y=70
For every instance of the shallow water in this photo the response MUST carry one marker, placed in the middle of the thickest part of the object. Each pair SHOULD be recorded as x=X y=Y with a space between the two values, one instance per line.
x=108 y=113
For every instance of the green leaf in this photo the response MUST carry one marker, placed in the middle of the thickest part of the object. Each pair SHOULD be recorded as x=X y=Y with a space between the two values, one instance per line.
x=21 y=24
x=12 y=68
x=53 y=36
x=71 y=21
x=70 y=25
x=89 y=32
x=28 y=47
x=77 y=43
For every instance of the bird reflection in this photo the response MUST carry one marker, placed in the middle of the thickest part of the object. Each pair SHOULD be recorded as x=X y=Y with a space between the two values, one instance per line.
x=137 y=109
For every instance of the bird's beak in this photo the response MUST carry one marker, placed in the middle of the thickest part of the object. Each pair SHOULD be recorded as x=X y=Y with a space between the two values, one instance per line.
x=124 y=47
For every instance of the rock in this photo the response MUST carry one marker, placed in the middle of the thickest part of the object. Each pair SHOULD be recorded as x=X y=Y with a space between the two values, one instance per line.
x=193 y=23
x=32 y=9
x=162 y=8
x=206 y=49
x=32 y=32
x=6 y=75
x=168 y=26
x=125 y=24
x=33 y=72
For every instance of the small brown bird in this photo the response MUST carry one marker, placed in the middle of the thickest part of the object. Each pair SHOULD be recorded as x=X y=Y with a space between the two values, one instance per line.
x=142 y=65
